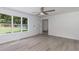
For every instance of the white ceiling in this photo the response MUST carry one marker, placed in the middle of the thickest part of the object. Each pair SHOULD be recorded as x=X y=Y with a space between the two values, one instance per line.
x=59 y=10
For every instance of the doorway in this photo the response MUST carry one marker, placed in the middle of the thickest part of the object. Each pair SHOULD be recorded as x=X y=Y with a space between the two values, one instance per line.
x=45 y=26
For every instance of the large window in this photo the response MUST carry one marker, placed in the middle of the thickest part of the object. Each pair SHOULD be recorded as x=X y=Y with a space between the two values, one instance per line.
x=5 y=24
x=11 y=24
x=16 y=24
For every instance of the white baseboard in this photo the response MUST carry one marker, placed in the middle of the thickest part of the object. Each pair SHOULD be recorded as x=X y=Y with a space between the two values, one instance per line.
x=68 y=37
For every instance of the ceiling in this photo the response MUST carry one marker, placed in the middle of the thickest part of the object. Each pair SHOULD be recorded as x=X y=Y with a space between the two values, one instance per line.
x=31 y=10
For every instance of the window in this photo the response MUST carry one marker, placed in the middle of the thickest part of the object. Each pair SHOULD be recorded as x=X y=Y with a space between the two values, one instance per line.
x=9 y=24
x=16 y=24
x=24 y=24
x=5 y=24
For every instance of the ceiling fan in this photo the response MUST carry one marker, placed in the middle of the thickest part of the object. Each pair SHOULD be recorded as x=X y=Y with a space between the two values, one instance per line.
x=43 y=12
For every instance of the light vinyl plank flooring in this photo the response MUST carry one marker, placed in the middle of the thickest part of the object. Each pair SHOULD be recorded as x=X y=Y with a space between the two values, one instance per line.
x=42 y=42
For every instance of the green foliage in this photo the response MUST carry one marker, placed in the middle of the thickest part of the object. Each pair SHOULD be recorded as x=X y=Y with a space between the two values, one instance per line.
x=25 y=20
x=16 y=20
x=5 y=18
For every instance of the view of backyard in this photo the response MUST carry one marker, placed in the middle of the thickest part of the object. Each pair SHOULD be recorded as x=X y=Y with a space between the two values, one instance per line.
x=6 y=24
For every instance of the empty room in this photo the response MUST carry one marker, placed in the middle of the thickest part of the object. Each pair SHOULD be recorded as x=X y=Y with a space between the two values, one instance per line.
x=39 y=28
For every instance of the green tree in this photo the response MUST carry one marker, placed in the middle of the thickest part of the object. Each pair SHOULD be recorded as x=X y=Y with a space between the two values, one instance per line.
x=5 y=18
x=24 y=20
x=16 y=20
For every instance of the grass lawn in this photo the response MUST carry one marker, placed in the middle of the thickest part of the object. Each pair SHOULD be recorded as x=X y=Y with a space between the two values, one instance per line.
x=4 y=30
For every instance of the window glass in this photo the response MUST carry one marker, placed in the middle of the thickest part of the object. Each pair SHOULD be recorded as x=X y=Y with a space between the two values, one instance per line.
x=16 y=24
x=24 y=24
x=5 y=24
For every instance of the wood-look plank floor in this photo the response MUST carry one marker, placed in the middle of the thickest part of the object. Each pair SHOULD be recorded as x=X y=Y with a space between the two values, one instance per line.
x=42 y=43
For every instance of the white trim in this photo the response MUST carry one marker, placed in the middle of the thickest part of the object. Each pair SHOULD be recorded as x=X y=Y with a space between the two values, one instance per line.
x=12 y=23
x=21 y=24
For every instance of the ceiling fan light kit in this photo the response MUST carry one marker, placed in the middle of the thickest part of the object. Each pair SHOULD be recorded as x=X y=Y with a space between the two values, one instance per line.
x=42 y=13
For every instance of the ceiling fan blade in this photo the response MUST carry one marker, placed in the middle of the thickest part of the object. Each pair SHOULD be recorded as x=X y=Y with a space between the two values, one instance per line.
x=50 y=10
x=45 y=13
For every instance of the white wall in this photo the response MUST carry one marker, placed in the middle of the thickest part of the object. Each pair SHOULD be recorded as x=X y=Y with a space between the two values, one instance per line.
x=51 y=19
x=34 y=26
x=65 y=25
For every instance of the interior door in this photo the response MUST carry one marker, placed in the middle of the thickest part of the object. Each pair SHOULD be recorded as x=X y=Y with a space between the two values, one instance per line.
x=45 y=25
